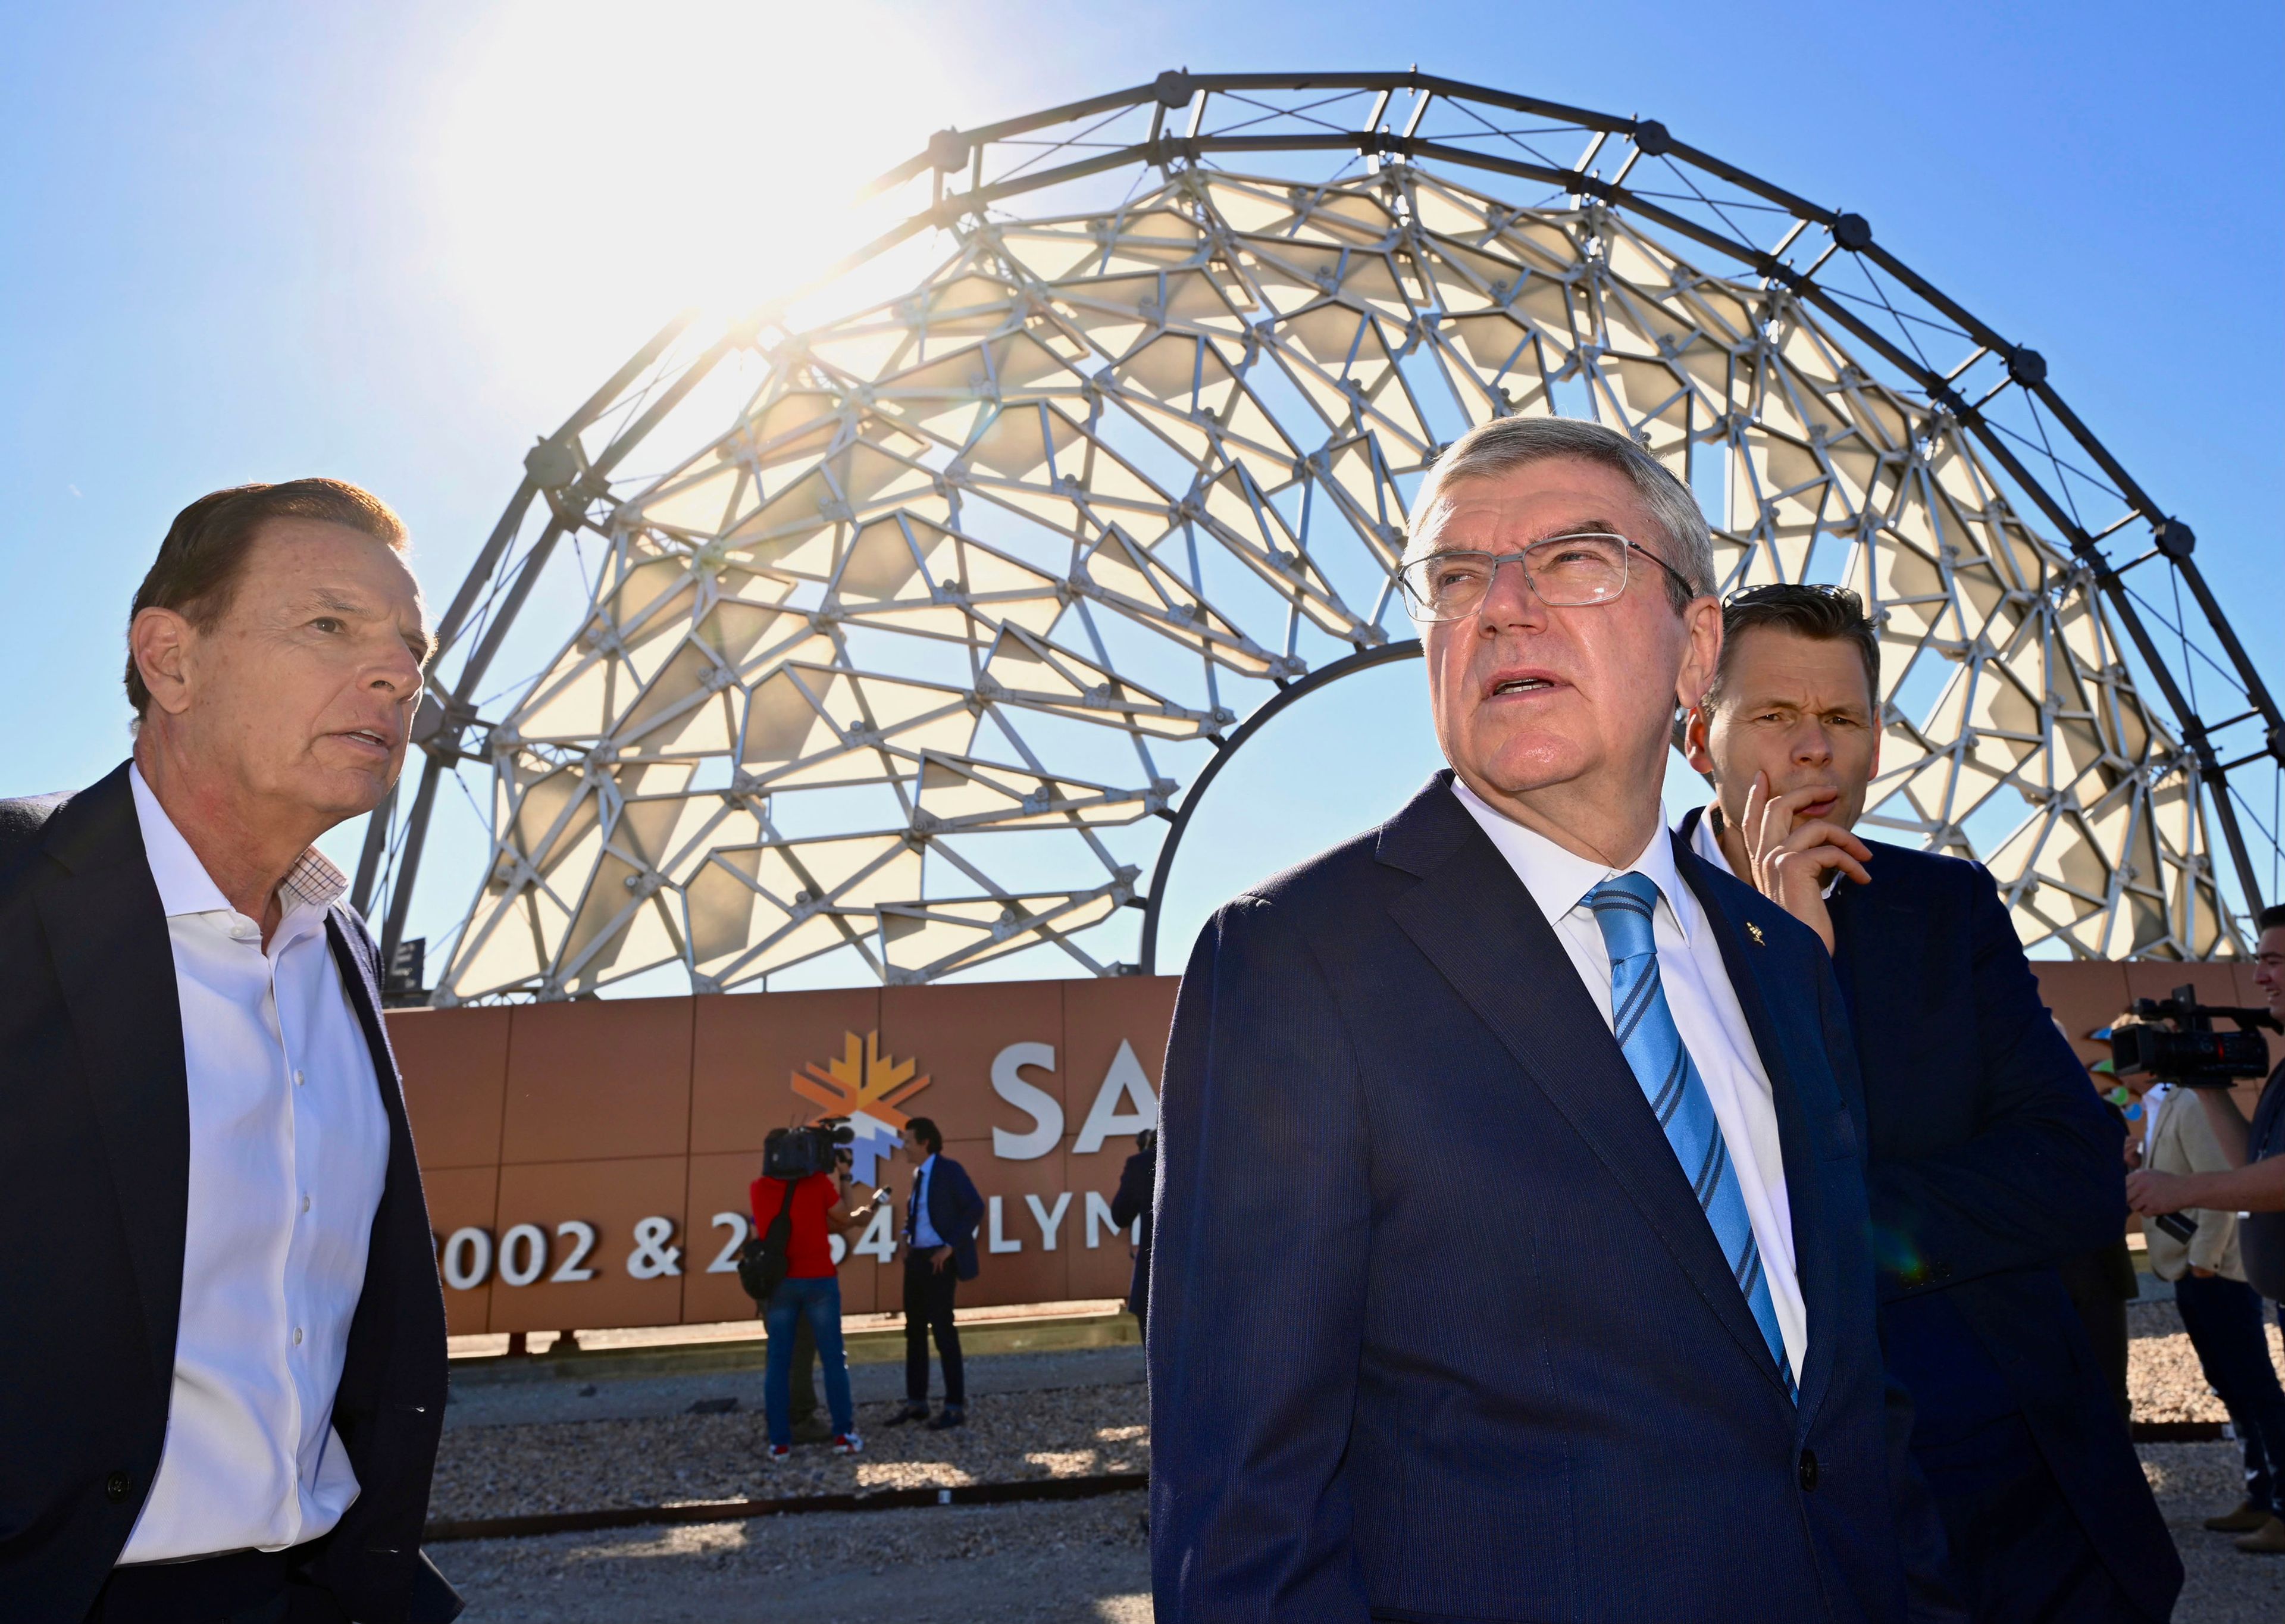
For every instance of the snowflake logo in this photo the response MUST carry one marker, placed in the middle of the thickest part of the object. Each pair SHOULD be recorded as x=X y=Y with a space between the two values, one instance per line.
x=864 y=1085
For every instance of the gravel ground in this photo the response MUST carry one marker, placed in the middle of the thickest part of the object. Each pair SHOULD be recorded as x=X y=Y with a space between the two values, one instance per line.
x=1085 y=1560
x=2162 y=1373
x=580 y=1465
x=645 y=1397
x=2221 y=1584
x=521 y=1449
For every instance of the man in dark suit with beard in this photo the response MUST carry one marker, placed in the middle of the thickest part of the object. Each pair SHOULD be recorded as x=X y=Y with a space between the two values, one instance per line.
x=1510 y=1260
x=1992 y=1162
x=222 y=1376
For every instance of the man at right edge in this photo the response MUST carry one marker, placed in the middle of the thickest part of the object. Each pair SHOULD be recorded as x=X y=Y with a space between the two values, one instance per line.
x=1990 y=1159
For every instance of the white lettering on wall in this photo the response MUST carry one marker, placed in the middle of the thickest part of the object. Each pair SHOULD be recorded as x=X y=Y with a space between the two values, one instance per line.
x=1125 y=1082
x=469 y=1258
x=996 y=1241
x=582 y=1236
x=725 y=1261
x=880 y=1237
x=1049 y=1218
x=1098 y=1214
x=522 y=1255
x=652 y=1256
x=1037 y=1102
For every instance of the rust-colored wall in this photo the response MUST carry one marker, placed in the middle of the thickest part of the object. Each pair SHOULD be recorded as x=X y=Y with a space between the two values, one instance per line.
x=609 y=1112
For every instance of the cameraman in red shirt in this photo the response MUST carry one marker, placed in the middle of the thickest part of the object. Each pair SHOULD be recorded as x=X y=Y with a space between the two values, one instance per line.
x=818 y=1207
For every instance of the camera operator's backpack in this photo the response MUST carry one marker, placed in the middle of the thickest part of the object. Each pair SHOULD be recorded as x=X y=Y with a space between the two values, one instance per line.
x=762 y=1261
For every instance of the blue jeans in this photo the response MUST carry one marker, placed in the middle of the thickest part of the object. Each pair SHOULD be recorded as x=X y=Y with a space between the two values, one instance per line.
x=2223 y=1318
x=820 y=1301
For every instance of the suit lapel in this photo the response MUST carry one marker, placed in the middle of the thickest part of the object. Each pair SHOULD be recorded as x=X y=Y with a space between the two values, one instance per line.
x=1477 y=924
x=106 y=933
x=1813 y=1262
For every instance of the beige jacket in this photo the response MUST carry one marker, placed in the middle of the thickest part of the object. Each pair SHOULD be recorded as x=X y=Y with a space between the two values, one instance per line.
x=2182 y=1140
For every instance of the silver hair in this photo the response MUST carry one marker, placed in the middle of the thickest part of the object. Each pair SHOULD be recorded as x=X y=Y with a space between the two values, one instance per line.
x=1509 y=443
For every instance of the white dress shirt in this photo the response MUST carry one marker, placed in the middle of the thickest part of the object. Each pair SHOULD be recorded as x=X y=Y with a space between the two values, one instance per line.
x=925 y=1236
x=288 y=1147
x=1706 y=1013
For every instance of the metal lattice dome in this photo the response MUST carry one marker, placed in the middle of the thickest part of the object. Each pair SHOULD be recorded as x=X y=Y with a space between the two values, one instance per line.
x=943 y=593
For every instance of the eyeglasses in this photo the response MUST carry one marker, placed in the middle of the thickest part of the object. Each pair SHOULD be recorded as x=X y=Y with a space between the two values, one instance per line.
x=1567 y=572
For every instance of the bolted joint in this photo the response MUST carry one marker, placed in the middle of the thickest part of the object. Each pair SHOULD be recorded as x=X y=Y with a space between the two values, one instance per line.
x=2176 y=540
x=1173 y=88
x=2027 y=366
x=1652 y=140
x=948 y=149
x=1853 y=232
x=552 y=464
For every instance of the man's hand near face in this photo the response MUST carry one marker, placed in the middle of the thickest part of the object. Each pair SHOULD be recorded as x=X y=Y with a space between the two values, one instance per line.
x=1791 y=864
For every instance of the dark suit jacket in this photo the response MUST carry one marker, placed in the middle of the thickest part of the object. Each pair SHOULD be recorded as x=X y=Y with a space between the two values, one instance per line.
x=1131 y=1206
x=1438 y=1330
x=954 y=1209
x=1992 y=1160
x=94 y=1172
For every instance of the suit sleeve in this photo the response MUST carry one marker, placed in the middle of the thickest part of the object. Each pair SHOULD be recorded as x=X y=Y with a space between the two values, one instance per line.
x=967 y=1214
x=1134 y=1197
x=2042 y=1177
x=1257 y=1286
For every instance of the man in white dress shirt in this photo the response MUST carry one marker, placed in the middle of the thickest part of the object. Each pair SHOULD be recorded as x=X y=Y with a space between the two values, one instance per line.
x=223 y=1384
x=1509 y=1258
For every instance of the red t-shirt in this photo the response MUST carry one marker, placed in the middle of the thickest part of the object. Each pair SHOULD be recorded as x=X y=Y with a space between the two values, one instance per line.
x=809 y=1250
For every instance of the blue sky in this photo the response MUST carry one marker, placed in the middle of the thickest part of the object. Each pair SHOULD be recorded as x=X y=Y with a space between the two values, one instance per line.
x=394 y=243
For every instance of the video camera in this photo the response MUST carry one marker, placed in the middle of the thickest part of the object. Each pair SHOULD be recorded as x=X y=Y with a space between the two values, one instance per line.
x=2173 y=1039
x=797 y=1153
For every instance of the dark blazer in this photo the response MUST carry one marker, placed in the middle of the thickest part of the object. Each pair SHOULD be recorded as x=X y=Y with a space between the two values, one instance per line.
x=1992 y=1160
x=954 y=1209
x=94 y=1176
x=1438 y=1330
x=1131 y=1206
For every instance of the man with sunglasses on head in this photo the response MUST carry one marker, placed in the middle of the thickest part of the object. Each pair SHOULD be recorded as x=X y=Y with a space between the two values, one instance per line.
x=1991 y=1161
x=1511 y=1257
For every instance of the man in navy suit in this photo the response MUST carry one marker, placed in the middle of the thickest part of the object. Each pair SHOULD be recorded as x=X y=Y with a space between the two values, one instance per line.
x=1991 y=1160
x=1511 y=1259
x=940 y=1219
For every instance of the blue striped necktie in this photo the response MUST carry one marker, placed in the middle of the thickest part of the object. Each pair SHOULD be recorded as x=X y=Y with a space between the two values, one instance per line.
x=1644 y=1025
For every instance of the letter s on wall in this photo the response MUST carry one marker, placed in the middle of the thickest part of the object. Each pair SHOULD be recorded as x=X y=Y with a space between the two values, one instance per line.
x=1037 y=1102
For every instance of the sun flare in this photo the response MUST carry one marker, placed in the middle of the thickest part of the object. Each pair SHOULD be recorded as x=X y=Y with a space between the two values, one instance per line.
x=602 y=166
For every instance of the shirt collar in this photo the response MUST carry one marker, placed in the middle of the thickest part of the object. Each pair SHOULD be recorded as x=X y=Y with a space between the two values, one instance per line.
x=1560 y=880
x=184 y=886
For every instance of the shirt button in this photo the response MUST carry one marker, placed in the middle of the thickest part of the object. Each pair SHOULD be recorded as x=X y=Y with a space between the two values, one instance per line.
x=115 y=1486
x=297 y=1079
x=305 y=1203
x=1808 y=1470
x=297 y=1342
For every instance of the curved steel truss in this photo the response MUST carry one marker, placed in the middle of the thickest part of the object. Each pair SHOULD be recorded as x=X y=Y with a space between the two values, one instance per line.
x=908 y=609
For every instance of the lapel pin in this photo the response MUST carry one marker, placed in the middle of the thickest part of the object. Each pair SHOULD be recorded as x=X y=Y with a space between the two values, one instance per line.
x=1754 y=931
